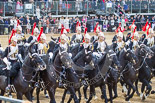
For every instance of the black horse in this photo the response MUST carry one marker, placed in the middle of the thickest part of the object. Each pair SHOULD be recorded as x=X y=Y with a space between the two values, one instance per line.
x=46 y=80
x=128 y=74
x=144 y=52
x=97 y=73
x=22 y=82
x=71 y=79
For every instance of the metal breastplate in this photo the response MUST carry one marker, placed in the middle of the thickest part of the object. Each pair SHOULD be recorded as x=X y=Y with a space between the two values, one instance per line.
x=120 y=45
x=101 y=46
x=151 y=41
x=78 y=38
x=42 y=48
x=20 y=39
x=13 y=53
x=64 y=47
x=135 y=45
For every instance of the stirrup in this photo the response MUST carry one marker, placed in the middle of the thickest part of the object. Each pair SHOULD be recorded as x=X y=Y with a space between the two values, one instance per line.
x=13 y=88
x=37 y=85
x=8 y=88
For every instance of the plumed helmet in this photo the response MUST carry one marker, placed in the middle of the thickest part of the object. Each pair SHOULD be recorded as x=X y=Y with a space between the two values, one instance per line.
x=64 y=32
x=79 y=28
x=120 y=34
x=14 y=38
x=87 y=36
x=101 y=34
x=36 y=30
x=64 y=37
x=133 y=27
x=97 y=29
x=19 y=28
x=43 y=36
x=136 y=34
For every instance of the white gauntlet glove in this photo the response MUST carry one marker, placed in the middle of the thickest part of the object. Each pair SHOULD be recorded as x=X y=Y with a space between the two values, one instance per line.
x=7 y=63
x=50 y=55
x=70 y=55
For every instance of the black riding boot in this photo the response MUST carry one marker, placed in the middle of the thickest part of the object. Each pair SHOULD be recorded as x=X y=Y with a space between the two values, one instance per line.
x=8 y=88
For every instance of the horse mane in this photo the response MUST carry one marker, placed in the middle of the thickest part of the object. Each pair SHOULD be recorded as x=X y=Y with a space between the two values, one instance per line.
x=121 y=54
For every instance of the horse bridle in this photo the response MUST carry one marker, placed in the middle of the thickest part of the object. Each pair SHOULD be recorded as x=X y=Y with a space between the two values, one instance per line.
x=33 y=69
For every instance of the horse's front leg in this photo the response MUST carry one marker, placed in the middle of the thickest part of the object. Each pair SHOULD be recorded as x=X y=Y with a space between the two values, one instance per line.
x=20 y=95
x=115 y=90
x=148 y=88
x=64 y=95
x=73 y=94
x=51 y=93
x=37 y=93
x=2 y=94
x=130 y=84
x=85 y=92
x=110 y=93
x=45 y=93
x=91 y=94
x=103 y=88
x=79 y=94
x=28 y=96
x=136 y=85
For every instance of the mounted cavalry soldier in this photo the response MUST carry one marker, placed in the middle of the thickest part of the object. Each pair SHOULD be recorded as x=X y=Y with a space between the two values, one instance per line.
x=150 y=39
x=63 y=31
x=134 y=43
x=11 y=58
x=96 y=31
x=118 y=39
x=145 y=28
x=34 y=35
x=119 y=44
x=86 y=45
x=100 y=45
x=129 y=35
x=20 y=36
x=63 y=45
x=78 y=37
x=42 y=45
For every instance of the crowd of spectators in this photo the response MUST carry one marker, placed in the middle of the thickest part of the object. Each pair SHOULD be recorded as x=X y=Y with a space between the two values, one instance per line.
x=53 y=24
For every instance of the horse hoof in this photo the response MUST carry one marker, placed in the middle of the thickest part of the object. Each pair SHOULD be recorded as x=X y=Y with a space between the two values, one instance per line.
x=46 y=95
x=109 y=99
x=86 y=99
x=95 y=97
x=143 y=97
x=102 y=97
x=152 y=92
x=10 y=96
x=33 y=98
x=127 y=99
x=125 y=95
x=138 y=93
x=122 y=91
x=115 y=96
